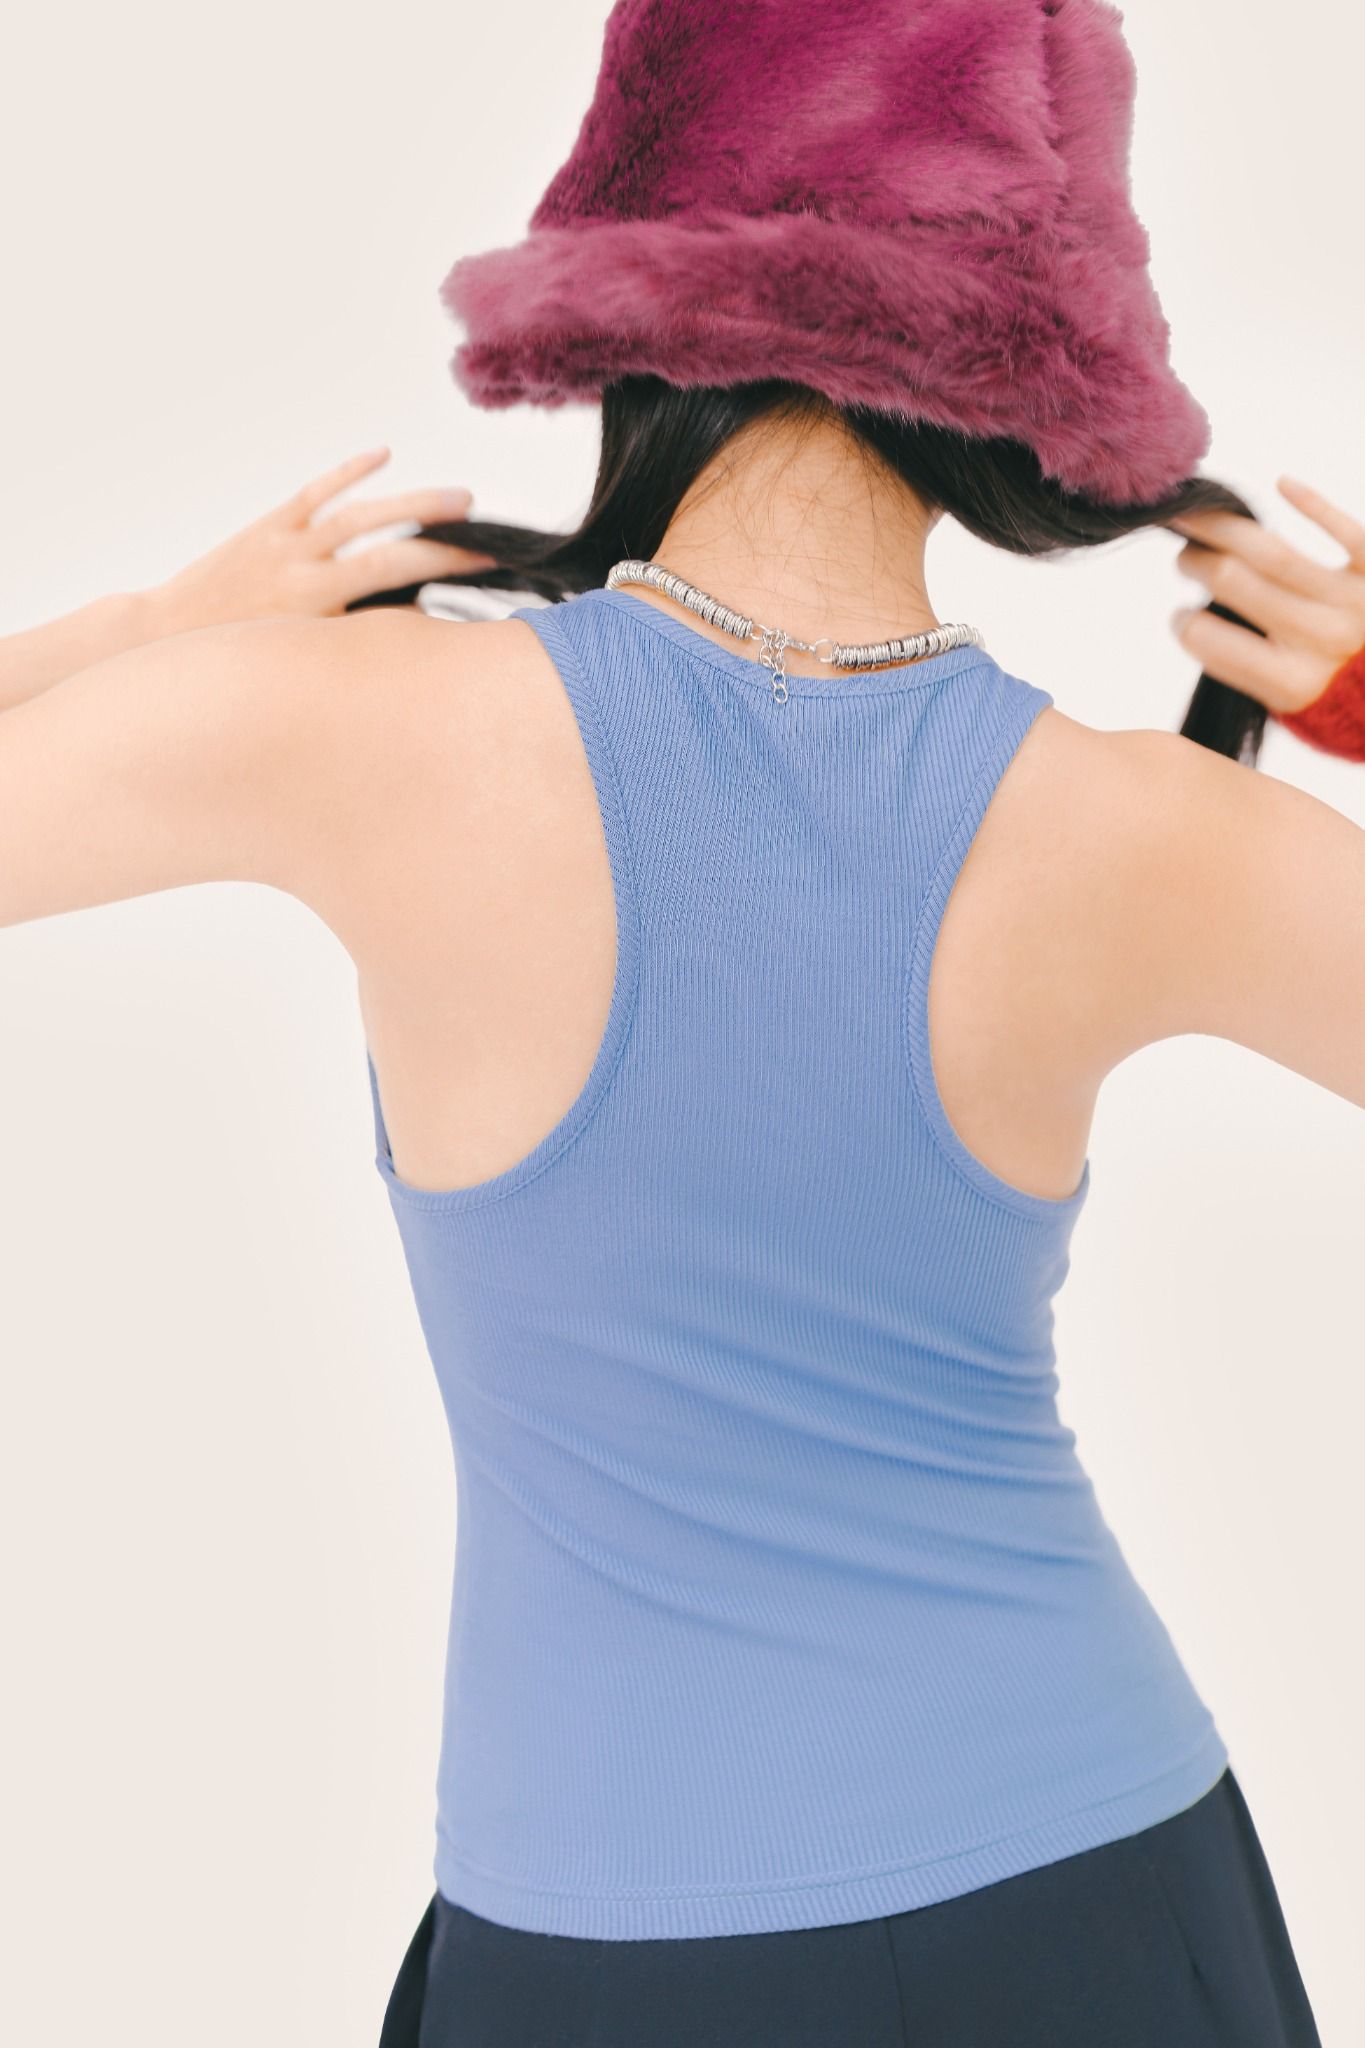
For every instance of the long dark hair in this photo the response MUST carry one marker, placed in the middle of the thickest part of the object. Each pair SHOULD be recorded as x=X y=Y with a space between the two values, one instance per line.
x=657 y=438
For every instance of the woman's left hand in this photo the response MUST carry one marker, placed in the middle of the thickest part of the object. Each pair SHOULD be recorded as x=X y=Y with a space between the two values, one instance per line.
x=1313 y=617
x=286 y=562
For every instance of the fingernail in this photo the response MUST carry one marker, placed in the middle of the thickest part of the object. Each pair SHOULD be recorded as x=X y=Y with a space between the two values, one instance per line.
x=1183 y=616
x=456 y=501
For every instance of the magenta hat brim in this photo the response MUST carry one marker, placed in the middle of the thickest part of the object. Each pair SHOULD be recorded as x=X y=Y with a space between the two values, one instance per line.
x=1063 y=348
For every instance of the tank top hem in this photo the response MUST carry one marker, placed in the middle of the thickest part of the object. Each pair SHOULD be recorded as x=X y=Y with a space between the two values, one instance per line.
x=830 y=1901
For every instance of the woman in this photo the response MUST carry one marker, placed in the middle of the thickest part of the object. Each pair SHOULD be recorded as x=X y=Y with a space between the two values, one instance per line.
x=736 y=1024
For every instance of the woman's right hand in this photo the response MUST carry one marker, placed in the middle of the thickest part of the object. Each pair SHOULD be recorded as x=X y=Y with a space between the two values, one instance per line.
x=1312 y=617
x=285 y=563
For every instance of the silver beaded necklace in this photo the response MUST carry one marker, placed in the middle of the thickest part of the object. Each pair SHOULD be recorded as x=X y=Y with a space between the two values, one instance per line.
x=774 y=641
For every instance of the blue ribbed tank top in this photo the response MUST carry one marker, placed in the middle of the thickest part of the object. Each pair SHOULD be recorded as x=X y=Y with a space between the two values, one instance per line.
x=780 y=1596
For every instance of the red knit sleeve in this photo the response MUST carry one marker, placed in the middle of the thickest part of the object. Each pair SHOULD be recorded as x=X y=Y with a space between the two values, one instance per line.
x=1335 y=721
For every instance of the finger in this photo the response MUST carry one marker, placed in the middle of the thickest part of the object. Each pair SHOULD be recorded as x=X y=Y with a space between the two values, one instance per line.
x=367 y=515
x=1279 y=679
x=391 y=565
x=1269 y=605
x=300 y=506
x=1269 y=553
x=1342 y=527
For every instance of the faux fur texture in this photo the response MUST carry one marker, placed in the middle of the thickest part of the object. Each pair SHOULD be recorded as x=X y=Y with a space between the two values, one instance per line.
x=918 y=205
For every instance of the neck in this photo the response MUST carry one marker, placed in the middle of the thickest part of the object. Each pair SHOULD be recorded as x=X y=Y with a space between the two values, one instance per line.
x=798 y=525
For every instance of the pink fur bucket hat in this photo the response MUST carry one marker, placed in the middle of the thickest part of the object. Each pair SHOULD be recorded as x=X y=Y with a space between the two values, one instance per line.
x=921 y=206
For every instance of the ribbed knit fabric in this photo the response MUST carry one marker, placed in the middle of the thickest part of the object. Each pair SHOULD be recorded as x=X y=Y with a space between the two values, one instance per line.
x=781 y=1598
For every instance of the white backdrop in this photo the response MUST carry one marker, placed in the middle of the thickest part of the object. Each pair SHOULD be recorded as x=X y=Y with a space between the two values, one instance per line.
x=226 y=1502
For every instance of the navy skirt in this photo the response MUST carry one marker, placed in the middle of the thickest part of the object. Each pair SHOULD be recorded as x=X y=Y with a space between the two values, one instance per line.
x=1171 y=1938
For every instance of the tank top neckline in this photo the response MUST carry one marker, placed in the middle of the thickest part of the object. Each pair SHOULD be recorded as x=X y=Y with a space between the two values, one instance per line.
x=911 y=675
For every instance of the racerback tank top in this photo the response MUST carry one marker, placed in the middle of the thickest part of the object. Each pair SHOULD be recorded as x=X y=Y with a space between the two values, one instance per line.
x=780 y=1595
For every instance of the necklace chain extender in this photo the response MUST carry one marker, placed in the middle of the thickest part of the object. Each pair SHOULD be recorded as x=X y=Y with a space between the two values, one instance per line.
x=774 y=641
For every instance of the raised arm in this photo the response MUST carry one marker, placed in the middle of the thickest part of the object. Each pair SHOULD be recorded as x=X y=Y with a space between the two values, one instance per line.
x=1238 y=911
x=271 y=751
x=284 y=564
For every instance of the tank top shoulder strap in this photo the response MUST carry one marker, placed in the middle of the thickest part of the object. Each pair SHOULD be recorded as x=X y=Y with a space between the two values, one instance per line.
x=576 y=678
x=1007 y=709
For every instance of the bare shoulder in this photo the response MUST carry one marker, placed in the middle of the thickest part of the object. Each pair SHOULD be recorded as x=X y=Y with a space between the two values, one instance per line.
x=389 y=698
x=431 y=742
x=1164 y=811
x=398 y=654
x=1139 y=767
x=287 y=751
x=1179 y=891
x=1132 y=796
